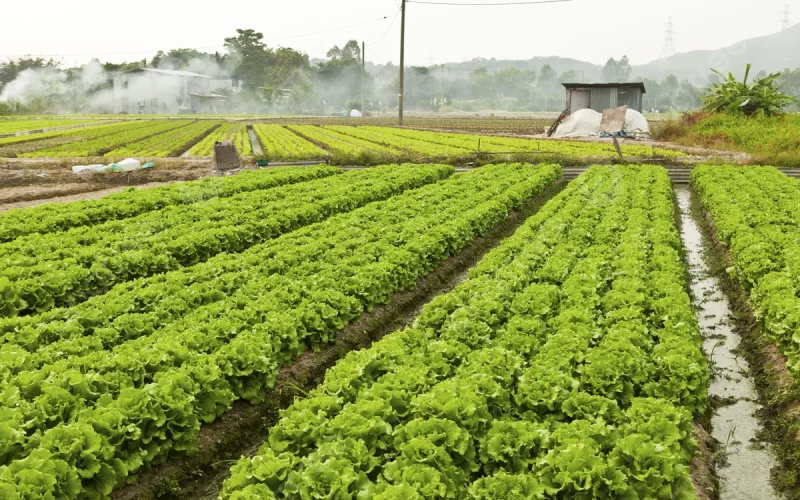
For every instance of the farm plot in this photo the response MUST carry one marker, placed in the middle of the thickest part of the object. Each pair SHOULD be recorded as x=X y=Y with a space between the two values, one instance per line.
x=234 y=132
x=344 y=144
x=281 y=144
x=348 y=141
x=473 y=125
x=756 y=213
x=48 y=219
x=105 y=143
x=171 y=143
x=11 y=147
x=388 y=137
x=164 y=354
x=511 y=144
x=567 y=366
x=15 y=126
x=62 y=269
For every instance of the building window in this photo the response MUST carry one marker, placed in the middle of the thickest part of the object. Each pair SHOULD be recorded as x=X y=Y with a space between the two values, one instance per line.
x=125 y=84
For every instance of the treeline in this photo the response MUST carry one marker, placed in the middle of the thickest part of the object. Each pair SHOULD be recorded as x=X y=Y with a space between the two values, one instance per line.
x=284 y=80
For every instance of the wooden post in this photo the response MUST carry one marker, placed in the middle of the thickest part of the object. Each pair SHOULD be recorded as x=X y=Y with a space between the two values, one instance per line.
x=363 y=69
x=402 y=58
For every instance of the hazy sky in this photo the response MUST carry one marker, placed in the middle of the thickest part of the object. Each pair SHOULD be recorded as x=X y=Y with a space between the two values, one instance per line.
x=593 y=30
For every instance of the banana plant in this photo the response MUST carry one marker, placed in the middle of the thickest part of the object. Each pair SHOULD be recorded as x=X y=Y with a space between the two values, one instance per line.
x=760 y=97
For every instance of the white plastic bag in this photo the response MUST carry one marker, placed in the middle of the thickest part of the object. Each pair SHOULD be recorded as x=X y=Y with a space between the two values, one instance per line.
x=128 y=165
x=87 y=168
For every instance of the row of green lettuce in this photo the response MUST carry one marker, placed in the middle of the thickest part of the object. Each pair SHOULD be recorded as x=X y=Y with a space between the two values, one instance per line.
x=568 y=365
x=53 y=218
x=756 y=214
x=90 y=395
x=389 y=142
x=65 y=268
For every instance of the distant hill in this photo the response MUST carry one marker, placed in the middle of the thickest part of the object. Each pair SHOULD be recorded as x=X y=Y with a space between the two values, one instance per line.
x=770 y=53
x=590 y=71
x=559 y=64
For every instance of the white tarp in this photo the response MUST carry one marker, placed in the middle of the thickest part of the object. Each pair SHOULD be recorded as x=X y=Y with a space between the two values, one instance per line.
x=582 y=123
x=636 y=124
x=126 y=165
x=586 y=123
x=355 y=114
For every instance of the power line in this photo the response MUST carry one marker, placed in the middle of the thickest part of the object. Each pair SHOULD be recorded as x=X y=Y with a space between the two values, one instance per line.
x=145 y=51
x=496 y=4
x=381 y=59
x=387 y=29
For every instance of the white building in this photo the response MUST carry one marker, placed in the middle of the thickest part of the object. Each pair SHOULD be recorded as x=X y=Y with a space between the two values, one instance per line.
x=150 y=91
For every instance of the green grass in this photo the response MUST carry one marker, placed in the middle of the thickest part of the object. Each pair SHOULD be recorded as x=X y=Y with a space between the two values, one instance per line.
x=769 y=140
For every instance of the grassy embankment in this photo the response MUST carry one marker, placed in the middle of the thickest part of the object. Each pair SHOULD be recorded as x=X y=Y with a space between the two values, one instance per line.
x=769 y=140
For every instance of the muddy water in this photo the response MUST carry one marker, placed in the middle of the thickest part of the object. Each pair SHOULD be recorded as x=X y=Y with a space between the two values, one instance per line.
x=256 y=145
x=744 y=462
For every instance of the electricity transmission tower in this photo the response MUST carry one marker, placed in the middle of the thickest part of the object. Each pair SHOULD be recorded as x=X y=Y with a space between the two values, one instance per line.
x=785 y=20
x=669 y=42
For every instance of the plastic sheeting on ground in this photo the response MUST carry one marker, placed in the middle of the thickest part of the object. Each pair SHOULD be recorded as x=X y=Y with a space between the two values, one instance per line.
x=586 y=123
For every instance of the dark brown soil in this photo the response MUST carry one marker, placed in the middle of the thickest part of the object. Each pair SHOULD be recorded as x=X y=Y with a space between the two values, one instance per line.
x=31 y=196
x=21 y=188
x=242 y=429
x=703 y=477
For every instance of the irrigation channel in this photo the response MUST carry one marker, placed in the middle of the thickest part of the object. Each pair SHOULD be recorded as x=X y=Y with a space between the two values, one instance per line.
x=743 y=459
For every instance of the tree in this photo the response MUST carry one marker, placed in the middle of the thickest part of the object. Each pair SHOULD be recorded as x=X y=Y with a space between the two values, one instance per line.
x=10 y=70
x=189 y=59
x=288 y=69
x=481 y=83
x=351 y=51
x=340 y=75
x=789 y=83
x=617 y=71
x=569 y=76
x=689 y=96
x=249 y=58
x=512 y=82
x=421 y=87
x=547 y=79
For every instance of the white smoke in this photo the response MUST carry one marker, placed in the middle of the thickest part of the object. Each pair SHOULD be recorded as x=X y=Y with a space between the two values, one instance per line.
x=90 y=88
x=55 y=90
x=31 y=84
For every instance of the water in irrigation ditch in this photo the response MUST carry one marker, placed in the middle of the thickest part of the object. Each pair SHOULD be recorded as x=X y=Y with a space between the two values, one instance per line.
x=743 y=461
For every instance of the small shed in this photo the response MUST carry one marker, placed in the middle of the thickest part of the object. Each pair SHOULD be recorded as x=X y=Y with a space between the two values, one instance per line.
x=601 y=96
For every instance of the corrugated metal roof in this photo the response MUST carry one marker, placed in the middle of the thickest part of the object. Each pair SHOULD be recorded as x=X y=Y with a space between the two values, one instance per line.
x=639 y=85
x=172 y=72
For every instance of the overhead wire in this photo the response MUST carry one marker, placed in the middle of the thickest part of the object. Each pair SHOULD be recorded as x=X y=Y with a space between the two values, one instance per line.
x=387 y=29
x=494 y=4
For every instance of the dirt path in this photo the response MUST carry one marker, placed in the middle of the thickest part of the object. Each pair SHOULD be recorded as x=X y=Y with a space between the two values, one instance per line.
x=744 y=461
x=91 y=195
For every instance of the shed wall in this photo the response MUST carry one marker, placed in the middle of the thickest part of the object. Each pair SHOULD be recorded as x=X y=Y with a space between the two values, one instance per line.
x=602 y=98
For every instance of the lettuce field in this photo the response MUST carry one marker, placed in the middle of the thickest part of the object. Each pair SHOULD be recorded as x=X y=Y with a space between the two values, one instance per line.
x=530 y=338
x=337 y=144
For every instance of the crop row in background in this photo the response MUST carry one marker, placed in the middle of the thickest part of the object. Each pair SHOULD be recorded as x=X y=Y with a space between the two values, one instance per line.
x=339 y=143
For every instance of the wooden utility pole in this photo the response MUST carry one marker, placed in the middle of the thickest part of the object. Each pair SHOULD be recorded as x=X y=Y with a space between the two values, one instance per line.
x=402 y=57
x=363 y=69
